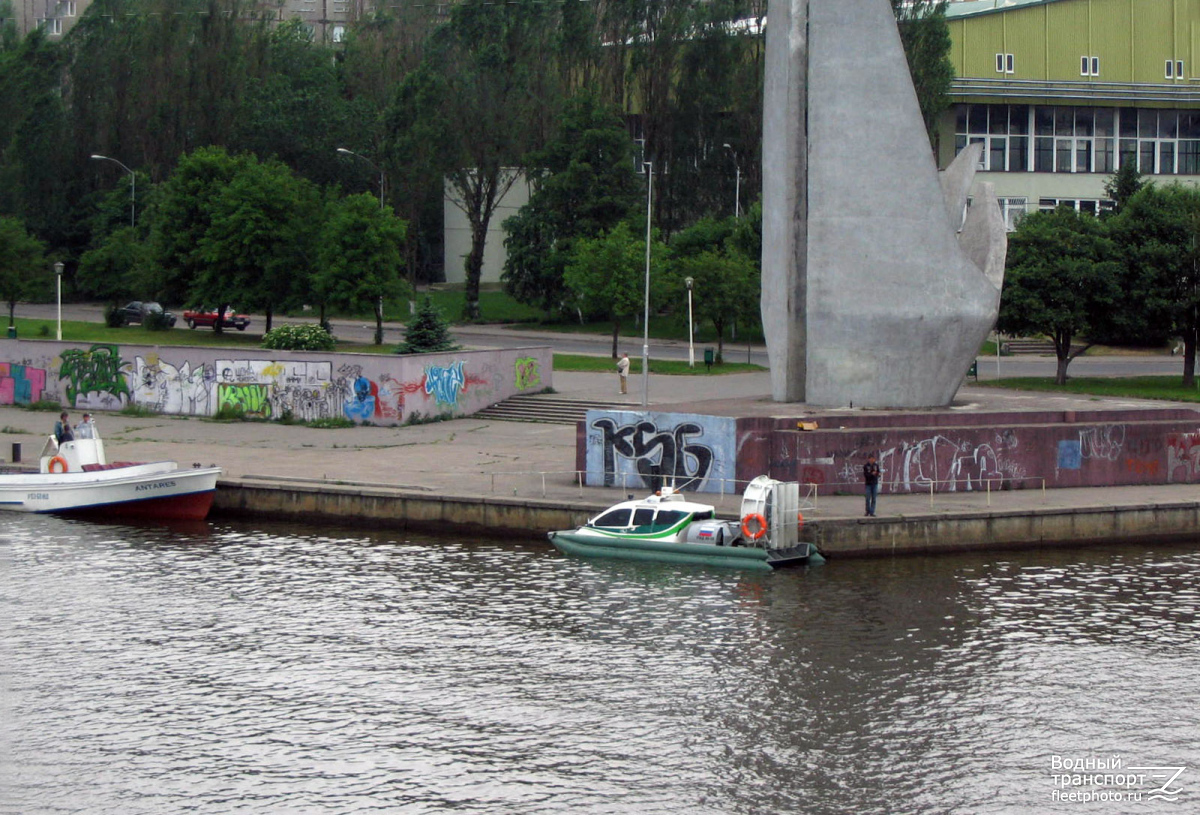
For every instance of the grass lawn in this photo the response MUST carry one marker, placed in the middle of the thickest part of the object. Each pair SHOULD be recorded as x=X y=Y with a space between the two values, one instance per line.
x=1138 y=387
x=84 y=332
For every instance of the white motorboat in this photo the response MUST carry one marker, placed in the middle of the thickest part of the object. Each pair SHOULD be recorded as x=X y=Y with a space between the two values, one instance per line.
x=75 y=478
x=670 y=528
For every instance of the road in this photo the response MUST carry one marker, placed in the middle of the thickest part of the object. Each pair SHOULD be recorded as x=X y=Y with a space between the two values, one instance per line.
x=496 y=336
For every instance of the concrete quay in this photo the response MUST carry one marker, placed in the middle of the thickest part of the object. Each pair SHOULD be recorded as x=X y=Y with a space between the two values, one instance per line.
x=476 y=476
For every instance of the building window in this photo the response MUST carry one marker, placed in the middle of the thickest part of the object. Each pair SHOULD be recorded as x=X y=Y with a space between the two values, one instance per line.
x=1005 y=64
x=53 y=25
x=70 y=9
x=1002 y=129
x=1089 y=66
x=1066 y=139
x=1013 y=210
x=1089 y=205
x=339 y=33
x=1179 y=69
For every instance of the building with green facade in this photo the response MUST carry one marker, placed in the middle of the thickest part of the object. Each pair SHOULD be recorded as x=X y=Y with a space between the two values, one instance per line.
x=1063 y=92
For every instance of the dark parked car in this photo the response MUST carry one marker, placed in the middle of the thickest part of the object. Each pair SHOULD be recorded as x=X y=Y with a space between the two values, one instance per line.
x=137 y=312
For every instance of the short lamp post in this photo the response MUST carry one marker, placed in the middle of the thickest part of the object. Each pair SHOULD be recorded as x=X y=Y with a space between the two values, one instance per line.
x=58 y=270
x=737 y=182
x=691 y=331
x=374 y=166
x=132 y=186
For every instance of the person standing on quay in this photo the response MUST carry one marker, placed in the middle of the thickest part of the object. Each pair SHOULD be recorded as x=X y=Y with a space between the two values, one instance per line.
x=623 y=372
x=871 y=482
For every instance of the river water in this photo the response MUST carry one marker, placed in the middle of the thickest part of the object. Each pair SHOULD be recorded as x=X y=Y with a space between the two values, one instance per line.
x=256 y=668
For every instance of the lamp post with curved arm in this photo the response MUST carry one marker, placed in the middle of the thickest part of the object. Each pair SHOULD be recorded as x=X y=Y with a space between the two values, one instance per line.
x=374 y=166
x=132 y=185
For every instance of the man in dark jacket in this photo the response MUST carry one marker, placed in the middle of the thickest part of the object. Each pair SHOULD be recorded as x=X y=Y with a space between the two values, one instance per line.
x=871 y=480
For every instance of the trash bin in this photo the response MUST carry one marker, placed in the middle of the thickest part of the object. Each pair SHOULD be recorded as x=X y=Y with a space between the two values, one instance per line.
x=12 y=332
x=709 y=357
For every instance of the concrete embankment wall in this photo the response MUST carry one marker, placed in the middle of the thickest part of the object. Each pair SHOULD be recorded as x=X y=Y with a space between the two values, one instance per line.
x=380 y=389
x=381 y=507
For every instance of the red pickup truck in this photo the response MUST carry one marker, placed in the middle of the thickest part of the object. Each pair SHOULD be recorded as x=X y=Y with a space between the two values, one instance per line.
x=207 y=317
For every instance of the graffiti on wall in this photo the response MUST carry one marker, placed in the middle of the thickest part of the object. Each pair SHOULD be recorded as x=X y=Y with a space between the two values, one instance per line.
x=526 y=373
x=21 y=384
x=94 y=377
x=1183 y=457
x=631 y=449
x=940 y=461
x=176 y=382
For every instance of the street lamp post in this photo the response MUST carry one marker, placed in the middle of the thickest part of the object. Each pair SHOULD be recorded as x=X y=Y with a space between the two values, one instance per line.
x=374 y=166
x=132 y=186
x=646 y=316
x=737 y=182
x=691 y=331
x=58 y=270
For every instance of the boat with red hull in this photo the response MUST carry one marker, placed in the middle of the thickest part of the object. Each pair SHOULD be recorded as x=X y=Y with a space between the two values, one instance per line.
x=74 y=478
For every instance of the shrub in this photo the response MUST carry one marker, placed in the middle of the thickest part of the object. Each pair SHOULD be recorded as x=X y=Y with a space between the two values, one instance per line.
x=114 y=317
x=305 y=337
x=331 y=423
x=156 y=321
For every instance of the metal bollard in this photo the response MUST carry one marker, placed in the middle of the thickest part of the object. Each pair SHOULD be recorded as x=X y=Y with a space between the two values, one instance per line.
x=16 y=452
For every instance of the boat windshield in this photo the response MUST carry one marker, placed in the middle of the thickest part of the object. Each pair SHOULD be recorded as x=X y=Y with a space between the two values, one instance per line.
x=614 y=517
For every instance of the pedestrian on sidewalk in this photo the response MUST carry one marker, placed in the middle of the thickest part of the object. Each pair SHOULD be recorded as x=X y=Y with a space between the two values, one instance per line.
x=871 y=484
x=623 y=372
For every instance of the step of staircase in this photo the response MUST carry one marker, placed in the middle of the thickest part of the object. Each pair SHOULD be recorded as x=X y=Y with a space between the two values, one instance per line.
x=545 y=408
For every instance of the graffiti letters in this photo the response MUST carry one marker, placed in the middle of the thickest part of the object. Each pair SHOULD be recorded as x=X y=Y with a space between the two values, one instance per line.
x=21 y=384
x=445 y=384
x=249 y=399
x=670 y=454
x=1183 y=457
x=526 y=373
x=95 y=371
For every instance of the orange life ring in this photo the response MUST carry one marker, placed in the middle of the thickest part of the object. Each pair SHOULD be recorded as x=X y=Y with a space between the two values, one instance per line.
x=58 y=460
x=760 y=523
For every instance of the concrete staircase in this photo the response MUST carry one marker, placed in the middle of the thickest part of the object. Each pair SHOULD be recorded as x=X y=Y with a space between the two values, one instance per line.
x=538 y=407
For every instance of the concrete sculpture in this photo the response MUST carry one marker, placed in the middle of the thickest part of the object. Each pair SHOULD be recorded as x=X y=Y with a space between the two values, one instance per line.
x=870 y=295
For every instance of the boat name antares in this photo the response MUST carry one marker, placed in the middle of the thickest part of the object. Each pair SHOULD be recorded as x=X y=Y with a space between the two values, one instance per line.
x=76 y=478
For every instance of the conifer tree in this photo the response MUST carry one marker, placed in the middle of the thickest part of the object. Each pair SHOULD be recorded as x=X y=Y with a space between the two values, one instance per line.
x=428 y=332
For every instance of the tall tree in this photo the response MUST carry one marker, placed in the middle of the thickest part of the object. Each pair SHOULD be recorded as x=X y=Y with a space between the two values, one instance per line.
x=22 y=264
x=925 y=36
x=607 y=276
x=1159 y=231
x=359 y=259
x=489 y=106
x=1062 y=280
x=583 y=184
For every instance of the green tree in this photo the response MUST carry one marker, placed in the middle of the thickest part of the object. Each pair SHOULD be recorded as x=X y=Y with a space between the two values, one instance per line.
x=258 y=249
x=482 y=98
x=1061 y=280
x=607 y=276
x=359 y=260
x=721 y=286
x=925 y=36
x=113 y=270
x=1124 y=184
x=1159 y=229
x=22 y=264
x=428 y=332
x=582 y=185
x=182 y=216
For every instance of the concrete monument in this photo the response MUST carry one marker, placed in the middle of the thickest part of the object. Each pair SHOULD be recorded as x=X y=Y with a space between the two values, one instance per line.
x=871 y=294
